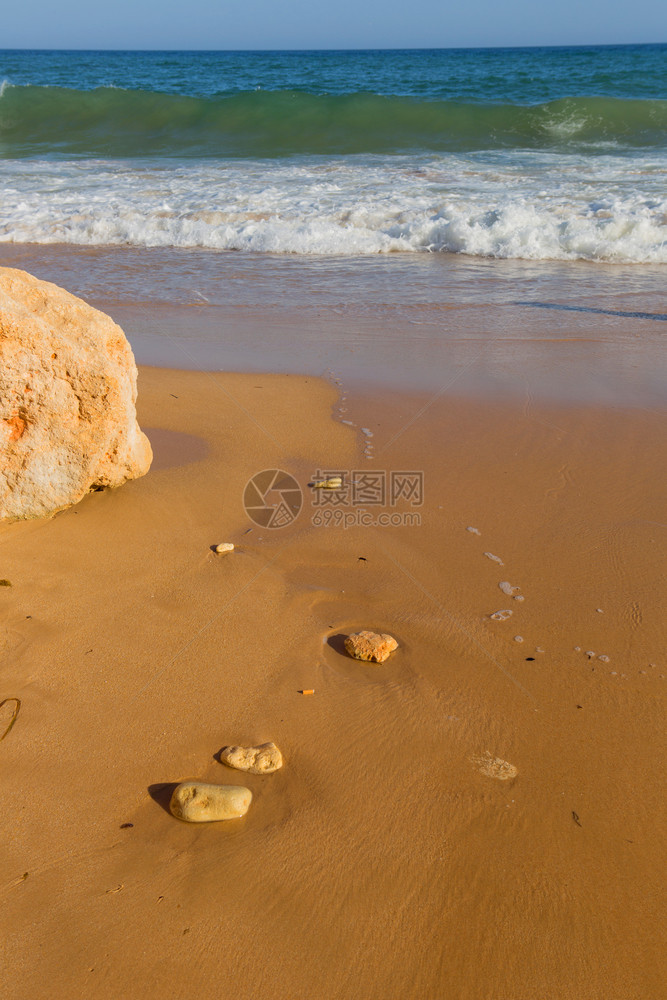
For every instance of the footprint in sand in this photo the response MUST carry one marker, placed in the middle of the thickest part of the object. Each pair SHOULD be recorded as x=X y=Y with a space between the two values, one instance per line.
x=494 y=767
x=508 y=589
x=501 y=616
x=473 y=531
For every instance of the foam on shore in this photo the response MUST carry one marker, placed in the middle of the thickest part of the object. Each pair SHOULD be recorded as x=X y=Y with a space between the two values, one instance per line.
x=507 y=204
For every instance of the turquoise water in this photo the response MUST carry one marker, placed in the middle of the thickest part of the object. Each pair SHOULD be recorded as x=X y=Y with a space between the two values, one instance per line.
x=526 y=153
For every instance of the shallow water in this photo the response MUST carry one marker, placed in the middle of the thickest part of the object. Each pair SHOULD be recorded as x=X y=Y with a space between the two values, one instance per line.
x=446 y=323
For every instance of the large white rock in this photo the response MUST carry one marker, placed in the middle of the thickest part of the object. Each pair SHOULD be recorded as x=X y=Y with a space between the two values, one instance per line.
x=68 y=389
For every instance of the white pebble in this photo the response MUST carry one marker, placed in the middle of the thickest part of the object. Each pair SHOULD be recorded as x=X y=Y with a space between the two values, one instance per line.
x=501 y=616
x=590 y=654
x=474 y=531
x=490 y=555
x=225 y=547
x=518 y=638
x=605 y=659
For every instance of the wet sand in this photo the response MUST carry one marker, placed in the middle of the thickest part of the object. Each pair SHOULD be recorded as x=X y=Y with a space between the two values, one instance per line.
x=383 y=862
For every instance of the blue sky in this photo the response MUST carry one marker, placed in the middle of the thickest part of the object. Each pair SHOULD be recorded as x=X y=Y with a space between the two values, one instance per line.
x=262 y=24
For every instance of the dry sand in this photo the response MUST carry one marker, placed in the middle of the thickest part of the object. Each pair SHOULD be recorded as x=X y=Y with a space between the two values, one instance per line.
x=384 y=861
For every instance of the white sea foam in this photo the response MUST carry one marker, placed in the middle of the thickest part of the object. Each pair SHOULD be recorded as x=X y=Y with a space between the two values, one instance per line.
x=514 y=205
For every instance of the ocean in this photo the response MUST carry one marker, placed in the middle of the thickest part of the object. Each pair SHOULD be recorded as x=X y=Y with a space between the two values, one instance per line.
x=534 y=154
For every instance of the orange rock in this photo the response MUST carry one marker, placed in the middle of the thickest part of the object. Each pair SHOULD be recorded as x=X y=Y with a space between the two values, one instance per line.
x=68 y=389
x=370 y=646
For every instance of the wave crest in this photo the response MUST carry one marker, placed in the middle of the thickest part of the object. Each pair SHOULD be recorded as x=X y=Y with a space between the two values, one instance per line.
x=111 y=122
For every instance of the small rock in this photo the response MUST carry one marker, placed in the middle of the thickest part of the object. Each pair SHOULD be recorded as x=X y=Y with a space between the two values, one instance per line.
x=200 y=802
x=225 y=547
x=370 y=646
x=334 y=483
x=518 y=638
x=262 y=759
x=494 y=767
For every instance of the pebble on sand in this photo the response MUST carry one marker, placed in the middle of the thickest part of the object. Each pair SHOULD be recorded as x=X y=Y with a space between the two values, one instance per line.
x=496 y=559
x=225 y=547
x=369 y=646
x=494 y=767
x=200 y=802
x=334 y=483
x=262 y=759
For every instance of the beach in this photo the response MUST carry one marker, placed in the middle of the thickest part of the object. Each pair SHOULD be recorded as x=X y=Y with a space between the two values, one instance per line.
x=435 y=281
x=381 y=861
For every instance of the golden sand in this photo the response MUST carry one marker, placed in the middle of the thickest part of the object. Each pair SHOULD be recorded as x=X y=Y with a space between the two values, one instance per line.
x=378 y=863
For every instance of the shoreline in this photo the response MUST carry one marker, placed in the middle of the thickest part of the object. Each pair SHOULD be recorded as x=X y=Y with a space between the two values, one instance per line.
x=571 y=332
x=364 y=857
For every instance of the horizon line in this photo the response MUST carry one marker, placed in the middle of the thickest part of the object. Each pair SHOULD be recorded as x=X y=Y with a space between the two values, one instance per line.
x=364 y=48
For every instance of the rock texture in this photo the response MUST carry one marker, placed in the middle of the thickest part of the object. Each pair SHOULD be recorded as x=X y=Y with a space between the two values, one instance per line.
x=262 y=759
x=494 y=767
x=200 y=802
x=68 y=388
x=370 y=646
